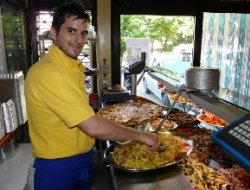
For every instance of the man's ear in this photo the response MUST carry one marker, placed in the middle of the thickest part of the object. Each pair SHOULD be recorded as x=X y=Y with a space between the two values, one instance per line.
x=52 y=33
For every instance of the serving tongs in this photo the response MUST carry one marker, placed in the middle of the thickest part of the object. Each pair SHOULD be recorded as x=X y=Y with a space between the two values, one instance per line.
x=169 y=110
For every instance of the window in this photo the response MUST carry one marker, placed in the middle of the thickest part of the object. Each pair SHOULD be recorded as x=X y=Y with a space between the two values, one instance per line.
x=167 y=41
x=43 y=24
x=13 y=37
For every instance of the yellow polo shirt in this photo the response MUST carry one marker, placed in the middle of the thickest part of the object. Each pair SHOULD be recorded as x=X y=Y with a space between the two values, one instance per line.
x=56 y=102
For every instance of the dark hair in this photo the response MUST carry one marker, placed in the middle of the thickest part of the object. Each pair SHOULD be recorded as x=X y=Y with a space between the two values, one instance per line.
x=67 y=10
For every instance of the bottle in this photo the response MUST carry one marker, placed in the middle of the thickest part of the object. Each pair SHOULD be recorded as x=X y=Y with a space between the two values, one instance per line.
x=105 y=70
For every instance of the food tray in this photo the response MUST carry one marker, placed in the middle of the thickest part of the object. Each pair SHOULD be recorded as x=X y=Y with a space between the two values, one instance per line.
x=109 y=160
x=163 y=127
x=198 y=117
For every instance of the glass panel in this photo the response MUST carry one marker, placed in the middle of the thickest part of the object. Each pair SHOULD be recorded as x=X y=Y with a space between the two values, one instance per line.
x=167 y=41
x=13 y=39
x=226 y=45
x=43 y=24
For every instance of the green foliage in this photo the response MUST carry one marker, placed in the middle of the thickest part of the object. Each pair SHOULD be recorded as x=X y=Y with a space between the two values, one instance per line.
x=170 y=31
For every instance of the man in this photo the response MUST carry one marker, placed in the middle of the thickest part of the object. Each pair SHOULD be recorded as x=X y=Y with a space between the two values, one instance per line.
x=62 y=125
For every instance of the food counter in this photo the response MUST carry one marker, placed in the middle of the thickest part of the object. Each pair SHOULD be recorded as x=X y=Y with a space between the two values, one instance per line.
x=172 y=178
x=207 y=167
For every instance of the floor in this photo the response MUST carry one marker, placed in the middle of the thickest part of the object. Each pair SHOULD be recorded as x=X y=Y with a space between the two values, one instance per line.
x=13 y=171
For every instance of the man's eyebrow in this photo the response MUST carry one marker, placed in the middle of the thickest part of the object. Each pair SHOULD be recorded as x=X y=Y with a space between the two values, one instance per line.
x=70 y=28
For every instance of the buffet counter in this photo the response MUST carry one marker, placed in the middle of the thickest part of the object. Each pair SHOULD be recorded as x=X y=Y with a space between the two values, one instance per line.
x=170 y=177
x=206 y=167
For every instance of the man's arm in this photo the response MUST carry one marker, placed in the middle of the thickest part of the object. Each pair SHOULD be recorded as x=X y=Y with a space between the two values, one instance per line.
x=101 y=128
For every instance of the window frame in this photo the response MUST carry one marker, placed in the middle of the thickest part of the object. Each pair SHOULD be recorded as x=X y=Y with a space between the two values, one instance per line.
x=177 y=8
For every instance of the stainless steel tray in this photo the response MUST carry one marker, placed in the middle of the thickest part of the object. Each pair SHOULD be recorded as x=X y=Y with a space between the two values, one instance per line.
x=152 y=129
x=109 y=160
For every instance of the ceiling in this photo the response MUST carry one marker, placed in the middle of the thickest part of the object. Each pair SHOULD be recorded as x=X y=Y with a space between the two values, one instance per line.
x=49 y=4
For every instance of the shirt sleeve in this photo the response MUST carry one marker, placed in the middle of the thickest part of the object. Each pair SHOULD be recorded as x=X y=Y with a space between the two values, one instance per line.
x=65 y=98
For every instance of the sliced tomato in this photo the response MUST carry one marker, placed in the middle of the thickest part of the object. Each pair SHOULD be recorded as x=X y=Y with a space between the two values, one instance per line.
x=160 y=85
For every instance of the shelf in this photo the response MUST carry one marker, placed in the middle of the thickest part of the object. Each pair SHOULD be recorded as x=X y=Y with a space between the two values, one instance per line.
x=91 y=72
x=225 y=111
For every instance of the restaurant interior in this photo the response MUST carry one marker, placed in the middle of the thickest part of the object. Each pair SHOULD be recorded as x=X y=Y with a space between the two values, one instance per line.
x=203 y=113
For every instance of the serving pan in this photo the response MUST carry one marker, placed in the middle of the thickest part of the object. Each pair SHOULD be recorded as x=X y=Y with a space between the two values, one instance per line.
x=110 y=161
x=199 y=117
x=168 y=125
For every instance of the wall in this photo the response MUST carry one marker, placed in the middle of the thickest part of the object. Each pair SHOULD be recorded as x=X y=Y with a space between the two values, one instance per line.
x=103 y=41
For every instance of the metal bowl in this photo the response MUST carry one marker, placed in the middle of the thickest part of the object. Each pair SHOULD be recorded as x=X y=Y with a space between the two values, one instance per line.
x=109 y=160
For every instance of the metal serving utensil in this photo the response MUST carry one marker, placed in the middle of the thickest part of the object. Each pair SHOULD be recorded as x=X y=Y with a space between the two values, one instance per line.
x=196 y=78
x=169 y=110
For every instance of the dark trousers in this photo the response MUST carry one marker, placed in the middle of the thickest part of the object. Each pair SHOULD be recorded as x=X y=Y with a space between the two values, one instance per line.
x=71 y=173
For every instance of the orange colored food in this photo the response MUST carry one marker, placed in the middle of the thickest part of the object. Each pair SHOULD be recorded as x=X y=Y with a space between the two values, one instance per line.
x=160 y=85
x=212 y=119
x=181 y=99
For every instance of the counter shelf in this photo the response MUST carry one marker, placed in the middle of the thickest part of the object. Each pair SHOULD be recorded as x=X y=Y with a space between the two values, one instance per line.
x=170 y=177
x=225 y=111
x=91 y=72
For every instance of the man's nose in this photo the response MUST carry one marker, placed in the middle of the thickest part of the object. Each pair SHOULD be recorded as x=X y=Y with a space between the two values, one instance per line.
x=80 y=38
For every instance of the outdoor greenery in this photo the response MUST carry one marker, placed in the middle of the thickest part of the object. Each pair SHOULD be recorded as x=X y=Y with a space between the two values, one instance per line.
x=169 y=31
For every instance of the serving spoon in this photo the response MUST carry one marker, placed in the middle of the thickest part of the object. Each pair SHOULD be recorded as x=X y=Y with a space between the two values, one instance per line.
x=169 y=110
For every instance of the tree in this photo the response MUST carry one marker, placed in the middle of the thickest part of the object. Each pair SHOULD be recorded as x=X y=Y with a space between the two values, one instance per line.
x=169 y=31
x=130 y=28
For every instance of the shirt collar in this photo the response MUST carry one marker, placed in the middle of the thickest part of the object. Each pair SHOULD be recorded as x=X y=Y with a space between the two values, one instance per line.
x=62 y=59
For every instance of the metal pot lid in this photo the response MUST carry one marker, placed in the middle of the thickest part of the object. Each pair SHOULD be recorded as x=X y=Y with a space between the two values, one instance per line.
x=202 y=78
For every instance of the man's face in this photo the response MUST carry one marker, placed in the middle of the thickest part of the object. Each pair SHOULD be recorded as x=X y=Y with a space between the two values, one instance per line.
x=71 y=37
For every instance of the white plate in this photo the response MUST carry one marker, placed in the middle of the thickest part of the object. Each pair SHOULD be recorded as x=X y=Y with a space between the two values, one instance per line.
x=174 y=126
